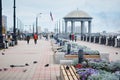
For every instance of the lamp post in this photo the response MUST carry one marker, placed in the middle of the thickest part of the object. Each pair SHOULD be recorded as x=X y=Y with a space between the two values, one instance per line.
x=14 y=23
x=33 y=29
x=59 y=27
x=1 y=36
x=37 y=23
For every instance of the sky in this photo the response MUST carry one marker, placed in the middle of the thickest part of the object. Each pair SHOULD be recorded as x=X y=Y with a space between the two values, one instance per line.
x=105 y=13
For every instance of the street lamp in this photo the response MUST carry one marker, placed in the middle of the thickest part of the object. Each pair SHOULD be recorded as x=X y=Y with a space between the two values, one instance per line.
x=14 y=22
x=37 y=22
x=33 y=29
x=1 y=36
x=59 y=27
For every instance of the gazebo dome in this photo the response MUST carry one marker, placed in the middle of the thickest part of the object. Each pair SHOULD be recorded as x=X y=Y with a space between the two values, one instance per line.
x=77 y=14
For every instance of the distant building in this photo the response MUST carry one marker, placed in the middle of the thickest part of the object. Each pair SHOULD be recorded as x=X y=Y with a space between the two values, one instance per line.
x=69 y=29
x=104 y=32
x=39 y=29
x=78 y=16
x=4 y=24
x=55 y=30
x=78 y=29
x=46 y=30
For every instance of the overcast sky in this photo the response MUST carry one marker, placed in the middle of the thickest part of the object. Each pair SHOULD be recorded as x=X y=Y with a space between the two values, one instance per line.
x=105 y=13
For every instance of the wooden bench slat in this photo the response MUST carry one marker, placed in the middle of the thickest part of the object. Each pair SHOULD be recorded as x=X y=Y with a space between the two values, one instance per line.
x=64 y=72
x=75 y=72
x=69 y=74
x=85 y=56
x=75 y=77
x=72 y=73
x=70 y=77
x=62 y=67
x=66 y=78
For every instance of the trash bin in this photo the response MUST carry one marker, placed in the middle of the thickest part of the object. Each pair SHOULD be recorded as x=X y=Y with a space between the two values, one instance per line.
x=68 y=48
x=80 y=56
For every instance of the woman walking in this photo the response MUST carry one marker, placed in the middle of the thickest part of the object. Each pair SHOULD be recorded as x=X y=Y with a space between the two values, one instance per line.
x=35 y=38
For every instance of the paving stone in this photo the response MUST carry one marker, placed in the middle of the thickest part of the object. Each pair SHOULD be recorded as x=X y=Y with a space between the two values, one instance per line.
x=33 y=57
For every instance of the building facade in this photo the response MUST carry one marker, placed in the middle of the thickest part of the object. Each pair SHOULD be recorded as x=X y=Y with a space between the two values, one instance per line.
x=4 y=24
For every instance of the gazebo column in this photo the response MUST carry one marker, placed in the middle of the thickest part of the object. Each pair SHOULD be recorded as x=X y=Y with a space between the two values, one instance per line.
x=72 y=26
x=89 y=28
x=65 y=26
x=82 y=26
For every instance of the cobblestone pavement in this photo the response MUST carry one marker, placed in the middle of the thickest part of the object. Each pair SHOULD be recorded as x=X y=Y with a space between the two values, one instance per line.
x=35 y=56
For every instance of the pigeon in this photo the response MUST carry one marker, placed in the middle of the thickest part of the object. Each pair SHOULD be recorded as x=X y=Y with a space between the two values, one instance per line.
x=12 y=66
x=5 y=69
x=0 y=69
x=34 y=62
x=46 y=65
x=116 y=53
x=67 y=67
x=3 y=53
x=26 y=64
x=25 y=70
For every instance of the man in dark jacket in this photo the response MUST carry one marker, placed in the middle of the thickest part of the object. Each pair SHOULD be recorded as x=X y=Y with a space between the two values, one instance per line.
x=28 y=39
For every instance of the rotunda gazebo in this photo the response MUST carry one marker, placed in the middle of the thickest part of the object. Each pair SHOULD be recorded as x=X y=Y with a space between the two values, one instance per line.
x=78 y=16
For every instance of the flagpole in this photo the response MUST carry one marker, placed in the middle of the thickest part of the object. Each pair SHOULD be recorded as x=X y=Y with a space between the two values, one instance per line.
x=37 y=22
x=51 y=16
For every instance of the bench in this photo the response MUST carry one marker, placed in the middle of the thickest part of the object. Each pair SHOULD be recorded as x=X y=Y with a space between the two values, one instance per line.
x=68 y=74
x=85 y=56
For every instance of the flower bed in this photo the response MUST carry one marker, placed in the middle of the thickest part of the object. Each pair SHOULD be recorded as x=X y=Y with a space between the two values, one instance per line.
x=99 y=70
x=74 y=48
x=107 y=66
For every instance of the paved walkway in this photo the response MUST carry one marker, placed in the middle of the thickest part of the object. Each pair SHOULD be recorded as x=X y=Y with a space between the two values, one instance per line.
x=41 y=52
x=103 y=49
x=25 y=53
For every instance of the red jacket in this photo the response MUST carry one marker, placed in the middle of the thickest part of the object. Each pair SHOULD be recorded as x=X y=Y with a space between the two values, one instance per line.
x=35 y=36
x=72 y=36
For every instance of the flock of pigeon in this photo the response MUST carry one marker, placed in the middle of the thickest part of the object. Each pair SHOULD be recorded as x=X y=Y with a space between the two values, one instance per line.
x=13 y=66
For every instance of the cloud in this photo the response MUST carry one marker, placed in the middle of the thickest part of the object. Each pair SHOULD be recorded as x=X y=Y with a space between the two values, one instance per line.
x=105 y=13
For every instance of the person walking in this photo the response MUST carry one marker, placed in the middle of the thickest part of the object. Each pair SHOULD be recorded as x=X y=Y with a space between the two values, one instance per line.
x=28 y=39
x=75 y=38
x=35 y=38
x=72 y=37
x=46 y=36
